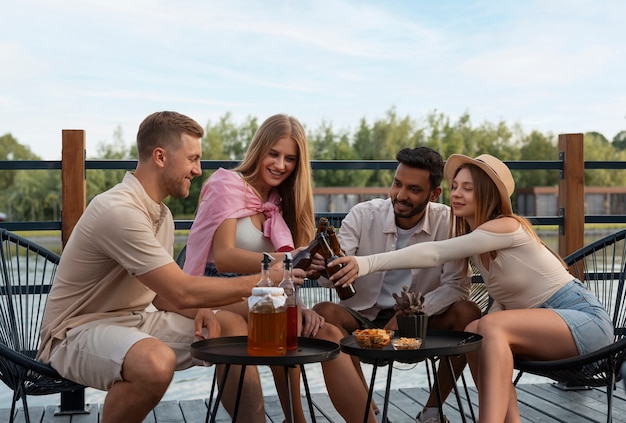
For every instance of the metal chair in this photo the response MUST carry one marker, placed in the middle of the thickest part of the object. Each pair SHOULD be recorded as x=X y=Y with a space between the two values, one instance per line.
x=601 y=265
x=27 y=273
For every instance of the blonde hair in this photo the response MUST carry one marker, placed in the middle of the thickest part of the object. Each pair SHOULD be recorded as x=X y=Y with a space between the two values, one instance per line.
x=296 y=191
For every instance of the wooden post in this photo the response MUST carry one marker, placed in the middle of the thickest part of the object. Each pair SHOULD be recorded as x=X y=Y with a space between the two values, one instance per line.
x=571 y=193
x=74 y=184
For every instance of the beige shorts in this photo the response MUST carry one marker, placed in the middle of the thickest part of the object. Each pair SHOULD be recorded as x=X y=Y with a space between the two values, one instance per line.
x=92 y=354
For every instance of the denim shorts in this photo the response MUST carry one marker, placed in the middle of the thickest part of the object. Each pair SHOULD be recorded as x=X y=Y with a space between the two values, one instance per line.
x=586 y=318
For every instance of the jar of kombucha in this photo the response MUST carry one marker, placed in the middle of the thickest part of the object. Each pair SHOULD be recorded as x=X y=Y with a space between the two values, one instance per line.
x=267 y=322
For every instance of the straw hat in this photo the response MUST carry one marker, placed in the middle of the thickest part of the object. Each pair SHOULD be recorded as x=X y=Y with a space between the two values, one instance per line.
x=497 y=171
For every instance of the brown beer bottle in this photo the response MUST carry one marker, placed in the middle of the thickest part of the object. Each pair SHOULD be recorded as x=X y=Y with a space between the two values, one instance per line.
x=333 y=241
x=321 y=228
x=302 y=260
x=343 y=292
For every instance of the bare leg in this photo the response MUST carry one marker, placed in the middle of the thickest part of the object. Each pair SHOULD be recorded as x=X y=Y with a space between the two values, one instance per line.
x=539 y=334
x=340 y=318
x=251 y=407
x=346 y=390
x=147 y=371
x=456 y=317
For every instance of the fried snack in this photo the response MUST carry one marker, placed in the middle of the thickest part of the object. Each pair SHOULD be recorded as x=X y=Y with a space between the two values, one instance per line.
x=407 y=343
x=373 y=338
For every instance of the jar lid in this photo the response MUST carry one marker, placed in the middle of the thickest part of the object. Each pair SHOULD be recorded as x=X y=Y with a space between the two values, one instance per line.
x=274 y=295
x=268 y=290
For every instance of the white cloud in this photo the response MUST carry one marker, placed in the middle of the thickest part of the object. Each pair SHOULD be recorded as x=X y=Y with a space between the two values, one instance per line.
x=553 y=66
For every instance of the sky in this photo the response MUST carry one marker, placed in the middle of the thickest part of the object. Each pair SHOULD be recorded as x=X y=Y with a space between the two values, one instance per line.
x=556 y=66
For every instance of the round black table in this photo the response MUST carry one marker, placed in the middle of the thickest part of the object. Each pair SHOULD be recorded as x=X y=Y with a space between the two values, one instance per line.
x=438 y=344
x=234 y=350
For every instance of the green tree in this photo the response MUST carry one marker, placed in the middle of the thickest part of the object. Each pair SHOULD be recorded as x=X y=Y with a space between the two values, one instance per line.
x=537 y=146
x=619 y=141
x=324 y=144
x=598 y=148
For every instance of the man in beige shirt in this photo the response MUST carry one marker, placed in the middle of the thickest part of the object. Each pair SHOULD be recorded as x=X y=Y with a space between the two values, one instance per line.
x=117 y=262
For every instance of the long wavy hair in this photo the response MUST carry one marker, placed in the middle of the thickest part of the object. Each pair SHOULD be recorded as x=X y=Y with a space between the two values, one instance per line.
x=296 y=191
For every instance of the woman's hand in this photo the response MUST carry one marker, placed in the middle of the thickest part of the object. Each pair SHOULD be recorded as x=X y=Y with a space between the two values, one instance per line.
x=205 y=318
x=347 y=274
x=318 y=264
x=311 y=322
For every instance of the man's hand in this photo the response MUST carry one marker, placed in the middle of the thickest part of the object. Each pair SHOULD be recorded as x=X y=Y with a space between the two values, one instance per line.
x=205 y=318
x=311 y=322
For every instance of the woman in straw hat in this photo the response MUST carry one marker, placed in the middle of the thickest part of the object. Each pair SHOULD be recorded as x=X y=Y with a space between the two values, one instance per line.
x=540 y=310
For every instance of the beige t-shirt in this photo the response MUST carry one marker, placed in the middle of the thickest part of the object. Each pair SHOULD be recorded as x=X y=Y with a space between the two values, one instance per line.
x=122 y=233
x=524 y=273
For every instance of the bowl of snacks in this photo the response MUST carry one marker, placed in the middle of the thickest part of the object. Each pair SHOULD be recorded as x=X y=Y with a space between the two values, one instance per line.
x=406 y=343
x=373 y=338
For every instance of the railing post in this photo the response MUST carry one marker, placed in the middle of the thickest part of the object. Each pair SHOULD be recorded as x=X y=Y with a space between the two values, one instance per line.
x=74 y=184
x=74 y=201
x=571 y=193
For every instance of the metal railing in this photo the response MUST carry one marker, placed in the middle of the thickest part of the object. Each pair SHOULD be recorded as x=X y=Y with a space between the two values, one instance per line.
x=569 y=164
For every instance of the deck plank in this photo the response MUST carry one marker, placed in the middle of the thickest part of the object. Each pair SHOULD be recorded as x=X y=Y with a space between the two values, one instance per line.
x=538 y=403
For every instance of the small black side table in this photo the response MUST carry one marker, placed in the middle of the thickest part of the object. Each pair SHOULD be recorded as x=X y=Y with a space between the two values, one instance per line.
x=234 y=350
x=438 y=344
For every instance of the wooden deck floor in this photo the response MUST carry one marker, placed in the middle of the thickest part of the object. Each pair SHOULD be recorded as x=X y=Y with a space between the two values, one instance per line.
x=538 y=403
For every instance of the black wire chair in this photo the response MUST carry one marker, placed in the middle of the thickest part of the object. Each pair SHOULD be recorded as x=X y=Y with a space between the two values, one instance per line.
x=601 y=265
x=27 y=273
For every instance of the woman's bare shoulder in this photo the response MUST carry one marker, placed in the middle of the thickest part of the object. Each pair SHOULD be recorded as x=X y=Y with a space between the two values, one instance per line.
x=501 y=225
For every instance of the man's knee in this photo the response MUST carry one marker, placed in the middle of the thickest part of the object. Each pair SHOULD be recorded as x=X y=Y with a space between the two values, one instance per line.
x=324 y=308
x=149 y=361
x=466 y=311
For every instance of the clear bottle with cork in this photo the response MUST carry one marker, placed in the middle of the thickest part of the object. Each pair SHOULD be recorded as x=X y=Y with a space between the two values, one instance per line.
x=292 y=304
x=267 y=316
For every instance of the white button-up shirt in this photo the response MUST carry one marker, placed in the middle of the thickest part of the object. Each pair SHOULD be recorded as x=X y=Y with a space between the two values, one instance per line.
x=370 y=228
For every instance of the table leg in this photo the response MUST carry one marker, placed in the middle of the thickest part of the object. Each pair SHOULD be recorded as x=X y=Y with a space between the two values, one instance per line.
x=220 y=390
x=469 y=400
x=370 y=392
x=456 y=392
x=239 y=390
x=387 y=390
x=289 y=416
x=437 y=389
x=308 y=393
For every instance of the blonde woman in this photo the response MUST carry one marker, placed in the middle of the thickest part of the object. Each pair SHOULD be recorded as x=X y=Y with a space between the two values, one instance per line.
x=266 y=204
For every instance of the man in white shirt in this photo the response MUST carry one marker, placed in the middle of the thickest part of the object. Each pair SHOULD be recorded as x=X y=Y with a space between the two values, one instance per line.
x=409 y=216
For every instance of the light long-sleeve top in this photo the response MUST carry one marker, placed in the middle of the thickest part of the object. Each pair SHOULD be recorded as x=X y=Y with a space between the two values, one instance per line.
x=370 y=228
x=524 y=273
x=226 y=195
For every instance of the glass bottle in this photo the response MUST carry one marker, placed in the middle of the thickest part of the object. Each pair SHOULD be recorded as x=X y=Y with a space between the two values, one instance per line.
x=267 y=316
x=321 y=228
x=343 y=292
x=333 y=241
x=292 y=304
x=265 y=271
x=302 y=259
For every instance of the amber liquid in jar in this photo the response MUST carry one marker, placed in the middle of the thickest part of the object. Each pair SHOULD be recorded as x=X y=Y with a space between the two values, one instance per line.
x=267 y=332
